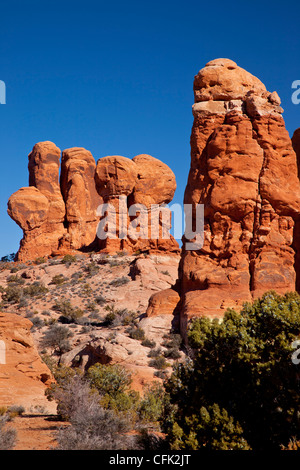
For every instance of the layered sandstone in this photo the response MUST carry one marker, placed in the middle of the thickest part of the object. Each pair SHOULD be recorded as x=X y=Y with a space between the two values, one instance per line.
x=244 y=171
x=78 y=188
x=59 y=211
x=23 y=376
x=296 y=146
x=138 y=191
x=39 y=209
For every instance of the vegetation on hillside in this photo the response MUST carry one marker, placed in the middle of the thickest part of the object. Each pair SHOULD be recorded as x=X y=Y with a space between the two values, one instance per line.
x=241 y=389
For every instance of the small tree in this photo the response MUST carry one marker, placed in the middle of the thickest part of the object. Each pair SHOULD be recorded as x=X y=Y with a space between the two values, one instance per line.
x=92 y=426
x=242 y=378
x=7 y=436
x=109 y=379
x=57 y=338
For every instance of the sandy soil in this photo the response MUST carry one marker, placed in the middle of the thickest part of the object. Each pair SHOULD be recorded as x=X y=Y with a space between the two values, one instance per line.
x=36 y=432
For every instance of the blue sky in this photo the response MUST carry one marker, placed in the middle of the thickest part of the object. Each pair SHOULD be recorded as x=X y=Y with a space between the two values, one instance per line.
x=117 y=77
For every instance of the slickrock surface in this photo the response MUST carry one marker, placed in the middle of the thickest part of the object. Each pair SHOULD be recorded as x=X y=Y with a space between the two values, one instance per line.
x=96 y=285
x=23 y=375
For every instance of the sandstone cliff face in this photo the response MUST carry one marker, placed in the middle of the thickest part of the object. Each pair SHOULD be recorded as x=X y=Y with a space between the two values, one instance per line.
x=81 y=198
x=244 y=171
x=146 y=184
x=23 y=376
x=58 y=214
x=296 y=146
x=39 y=209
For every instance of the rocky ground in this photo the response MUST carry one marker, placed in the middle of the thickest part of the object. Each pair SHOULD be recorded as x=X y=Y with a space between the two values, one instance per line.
x=102 y=301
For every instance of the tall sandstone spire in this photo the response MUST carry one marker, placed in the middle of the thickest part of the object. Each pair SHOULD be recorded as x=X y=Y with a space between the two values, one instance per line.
x=244 y=171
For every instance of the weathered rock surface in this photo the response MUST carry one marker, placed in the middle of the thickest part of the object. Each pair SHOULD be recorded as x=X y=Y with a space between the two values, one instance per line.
x=244 y=171
x=40 y=210
x=23 y=376
x=296 y=244
x=137 y=190
x=43 y=167
x=29 y=208
x=60 y=215
x=81 y=198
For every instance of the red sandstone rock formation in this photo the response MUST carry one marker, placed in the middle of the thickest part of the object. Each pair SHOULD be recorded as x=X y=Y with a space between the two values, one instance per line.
x=146 y=185
x=23 y=376
x=244 y=171
x=59 y=216
x=296 y=146
x=81 y=198
x=39 y=209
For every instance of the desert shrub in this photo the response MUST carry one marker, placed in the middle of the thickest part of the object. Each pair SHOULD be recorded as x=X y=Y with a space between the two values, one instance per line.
x=40 y=260
x=57 y=338
x=11 y=295
x=8 y=258
x=172 y=353
x=109 y=379
x=61 y=373
x=100 y=300
x=148 y=343
x=153 y=404
x=95 y=428
x=120 y=281
x=36 y=289
x=173 y=344
x=172 y=341
x=116 y=262
x=37 y=322
x=155 y=352
x=3 y=410
x=91 y=269
x=68 y=259
x=86 y=290
x=117 y=317
x=241 y=389
x=159 y=363
x=161 y=374
x=15 y=410
x=76 y=276
x=92 y=426
x=150 y=441
x=91 y=306
x=16 y=280
x=58 y=279
x=7 y=436
x=113 y=384
x=136 y=333
x=67 y=310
